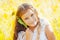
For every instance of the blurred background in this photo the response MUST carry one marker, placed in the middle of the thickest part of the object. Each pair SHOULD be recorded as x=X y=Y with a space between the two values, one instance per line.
x=46 y=8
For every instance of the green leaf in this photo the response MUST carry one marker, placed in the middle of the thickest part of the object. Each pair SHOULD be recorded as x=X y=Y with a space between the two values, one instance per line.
x=21 y=22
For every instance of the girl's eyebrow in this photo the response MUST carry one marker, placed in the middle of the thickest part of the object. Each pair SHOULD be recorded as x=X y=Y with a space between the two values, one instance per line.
x=32 y=9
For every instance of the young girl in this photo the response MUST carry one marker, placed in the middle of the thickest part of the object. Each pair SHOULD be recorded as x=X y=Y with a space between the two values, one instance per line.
x=37 y=28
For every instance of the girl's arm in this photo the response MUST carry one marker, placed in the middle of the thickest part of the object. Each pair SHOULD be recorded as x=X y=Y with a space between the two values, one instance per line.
x=49 y=33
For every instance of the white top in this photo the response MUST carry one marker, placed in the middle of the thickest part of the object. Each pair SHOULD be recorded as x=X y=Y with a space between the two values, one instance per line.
x=44 y=22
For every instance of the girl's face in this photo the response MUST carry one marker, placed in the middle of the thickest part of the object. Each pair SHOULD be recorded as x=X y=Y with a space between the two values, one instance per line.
x=30 y=18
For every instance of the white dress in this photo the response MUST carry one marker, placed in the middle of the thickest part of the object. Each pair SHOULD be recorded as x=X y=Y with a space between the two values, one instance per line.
x=44 y=22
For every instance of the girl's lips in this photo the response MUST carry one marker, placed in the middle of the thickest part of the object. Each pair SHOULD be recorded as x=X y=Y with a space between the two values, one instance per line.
x=34 y=23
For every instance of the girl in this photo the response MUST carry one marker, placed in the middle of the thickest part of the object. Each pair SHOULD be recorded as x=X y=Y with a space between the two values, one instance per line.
x=37 y=28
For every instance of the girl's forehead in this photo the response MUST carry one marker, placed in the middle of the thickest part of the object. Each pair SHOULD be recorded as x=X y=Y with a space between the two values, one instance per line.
x=28 y=13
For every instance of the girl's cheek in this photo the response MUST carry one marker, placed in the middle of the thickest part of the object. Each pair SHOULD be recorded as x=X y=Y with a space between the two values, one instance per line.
x=27 y=21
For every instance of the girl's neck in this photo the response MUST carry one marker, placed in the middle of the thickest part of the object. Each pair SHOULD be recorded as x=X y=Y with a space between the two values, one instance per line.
x=32 y=28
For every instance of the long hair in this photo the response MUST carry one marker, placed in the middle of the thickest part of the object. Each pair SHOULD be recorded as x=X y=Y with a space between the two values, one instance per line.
x=21 y=10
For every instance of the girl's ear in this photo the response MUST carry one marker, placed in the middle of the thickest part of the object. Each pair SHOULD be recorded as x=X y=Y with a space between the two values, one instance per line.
x=21 y=22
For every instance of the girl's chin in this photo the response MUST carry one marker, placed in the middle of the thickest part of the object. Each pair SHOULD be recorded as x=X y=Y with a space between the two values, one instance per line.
x=32 y=25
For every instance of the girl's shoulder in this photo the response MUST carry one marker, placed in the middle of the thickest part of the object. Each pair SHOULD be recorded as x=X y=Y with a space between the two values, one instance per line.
x=45 y=22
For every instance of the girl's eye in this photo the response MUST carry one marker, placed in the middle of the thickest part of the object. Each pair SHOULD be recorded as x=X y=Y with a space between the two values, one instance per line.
x=26 y=18
x=31 y=15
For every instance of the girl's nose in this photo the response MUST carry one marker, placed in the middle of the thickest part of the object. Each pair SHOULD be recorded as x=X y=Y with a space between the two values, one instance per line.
x=31 y=19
